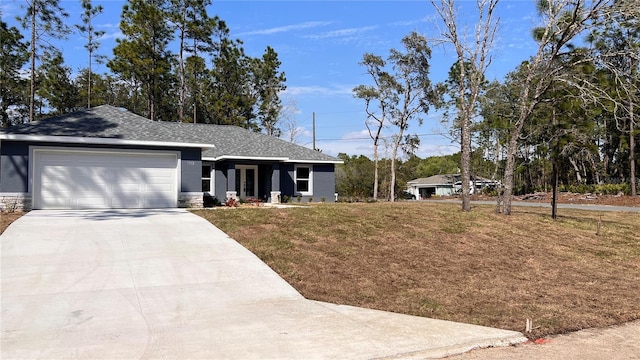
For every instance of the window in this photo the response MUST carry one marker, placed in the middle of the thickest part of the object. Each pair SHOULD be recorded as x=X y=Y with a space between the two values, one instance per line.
x=206 y=178
x=304 y=179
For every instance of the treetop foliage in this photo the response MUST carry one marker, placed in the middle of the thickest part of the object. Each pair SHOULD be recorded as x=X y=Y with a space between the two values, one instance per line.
x=209 y=79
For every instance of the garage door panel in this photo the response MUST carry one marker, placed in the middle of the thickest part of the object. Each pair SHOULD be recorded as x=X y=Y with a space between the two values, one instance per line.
x=160 y=174
x=126 y=202
x=128 y=188
x=152 y=188
x=82 y=179
x=56 y=178
x=91 y=203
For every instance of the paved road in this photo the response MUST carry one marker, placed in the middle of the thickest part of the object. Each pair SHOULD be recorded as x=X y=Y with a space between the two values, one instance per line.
x=613 y=343
x=168 y=284
x=592 y=207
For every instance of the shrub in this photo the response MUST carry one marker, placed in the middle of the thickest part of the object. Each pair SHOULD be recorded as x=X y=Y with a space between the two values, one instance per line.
x=602 y=189
x=613 y=189
x=231 y=202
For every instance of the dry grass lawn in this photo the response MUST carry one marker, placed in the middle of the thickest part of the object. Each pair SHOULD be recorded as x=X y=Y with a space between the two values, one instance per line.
x=433 y=260
x=6 y=218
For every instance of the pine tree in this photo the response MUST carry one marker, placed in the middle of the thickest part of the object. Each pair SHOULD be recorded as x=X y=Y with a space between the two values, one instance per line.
x=13 y=55
x=618 y=44
x=268 y=83
x=89 y=32
x=229 y=97
x=142 y=55
x=56 y=86
x=194 y=30
x=44 y=20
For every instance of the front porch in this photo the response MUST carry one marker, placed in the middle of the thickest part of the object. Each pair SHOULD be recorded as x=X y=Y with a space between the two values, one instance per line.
x=242 y=181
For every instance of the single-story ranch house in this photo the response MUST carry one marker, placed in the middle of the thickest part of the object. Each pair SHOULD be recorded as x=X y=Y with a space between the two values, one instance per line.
x=106 y=157
x=445 y=185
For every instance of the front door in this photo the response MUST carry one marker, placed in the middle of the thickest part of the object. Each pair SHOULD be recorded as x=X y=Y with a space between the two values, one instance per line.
x=246 y=181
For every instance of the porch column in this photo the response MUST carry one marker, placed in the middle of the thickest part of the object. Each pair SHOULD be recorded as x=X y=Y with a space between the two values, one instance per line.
x=275 y=183
x=231 y=182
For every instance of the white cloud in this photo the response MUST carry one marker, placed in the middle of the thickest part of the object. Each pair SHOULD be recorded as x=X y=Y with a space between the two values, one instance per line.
x=359 y=143
x=109 y=25
x=114 y=35
x=317 y=90
x=357 y=135
x=413 y=22
x=333 y=148
x=341 y=33
x=428 y=150
x=286 y=28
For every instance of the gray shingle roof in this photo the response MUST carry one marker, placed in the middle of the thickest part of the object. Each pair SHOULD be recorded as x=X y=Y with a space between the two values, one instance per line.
x=108 y=122
x=446 y=179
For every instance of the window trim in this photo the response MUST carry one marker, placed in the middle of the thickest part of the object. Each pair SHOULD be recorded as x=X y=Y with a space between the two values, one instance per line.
x=210 y=178
x=310 y=180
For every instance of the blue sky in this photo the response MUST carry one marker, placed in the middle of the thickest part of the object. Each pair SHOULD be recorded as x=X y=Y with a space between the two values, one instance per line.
x=320 y=44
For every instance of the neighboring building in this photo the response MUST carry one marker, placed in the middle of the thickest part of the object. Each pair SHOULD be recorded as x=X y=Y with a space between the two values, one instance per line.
x=445 y=185
x=106 y=157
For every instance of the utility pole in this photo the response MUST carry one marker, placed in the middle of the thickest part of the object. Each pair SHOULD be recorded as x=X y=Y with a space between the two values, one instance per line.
x=314 y=130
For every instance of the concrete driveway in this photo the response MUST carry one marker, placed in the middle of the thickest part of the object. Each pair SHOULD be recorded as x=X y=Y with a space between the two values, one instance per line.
x=168 y=284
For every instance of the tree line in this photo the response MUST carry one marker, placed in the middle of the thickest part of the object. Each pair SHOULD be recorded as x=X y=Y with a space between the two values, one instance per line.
x=174 y=62
x=566 y=116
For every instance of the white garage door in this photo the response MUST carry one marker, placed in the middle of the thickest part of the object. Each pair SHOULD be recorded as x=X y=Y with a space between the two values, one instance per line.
x=104 y=180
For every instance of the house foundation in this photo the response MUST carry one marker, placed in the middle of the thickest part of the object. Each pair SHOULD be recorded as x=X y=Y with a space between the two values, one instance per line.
x=194 y=200
x=15 y=202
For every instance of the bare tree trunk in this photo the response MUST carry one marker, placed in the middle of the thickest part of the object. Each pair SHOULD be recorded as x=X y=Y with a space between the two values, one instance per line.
x=632 y=150
x=392 y=185
x=509 y=171
x=181 y=93
x=376 y=171
x=554 y=188
x=576 y=169
x=32 y=88
x=473 y=59
x=564 y=20
x=596 y=172
x=497 y=163
x=466 y=160
x=89 y=84
x=376 y=156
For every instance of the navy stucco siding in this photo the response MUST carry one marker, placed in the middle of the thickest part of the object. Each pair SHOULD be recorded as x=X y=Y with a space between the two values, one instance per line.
x=14 y=167
x=191 y=170
x=324 y=182
x=287 y=185
x=220 y=187
x=14 y=163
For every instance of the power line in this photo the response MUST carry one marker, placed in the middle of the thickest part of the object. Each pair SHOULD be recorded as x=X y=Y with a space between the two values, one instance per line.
x=382 y=137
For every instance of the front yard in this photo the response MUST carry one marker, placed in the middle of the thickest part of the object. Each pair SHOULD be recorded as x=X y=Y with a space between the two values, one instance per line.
x=432 y=260
x=6 y=218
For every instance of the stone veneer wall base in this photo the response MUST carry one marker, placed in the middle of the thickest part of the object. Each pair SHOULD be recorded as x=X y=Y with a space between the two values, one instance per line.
x=22 y=202
x=15 y=202
x=191 y=200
